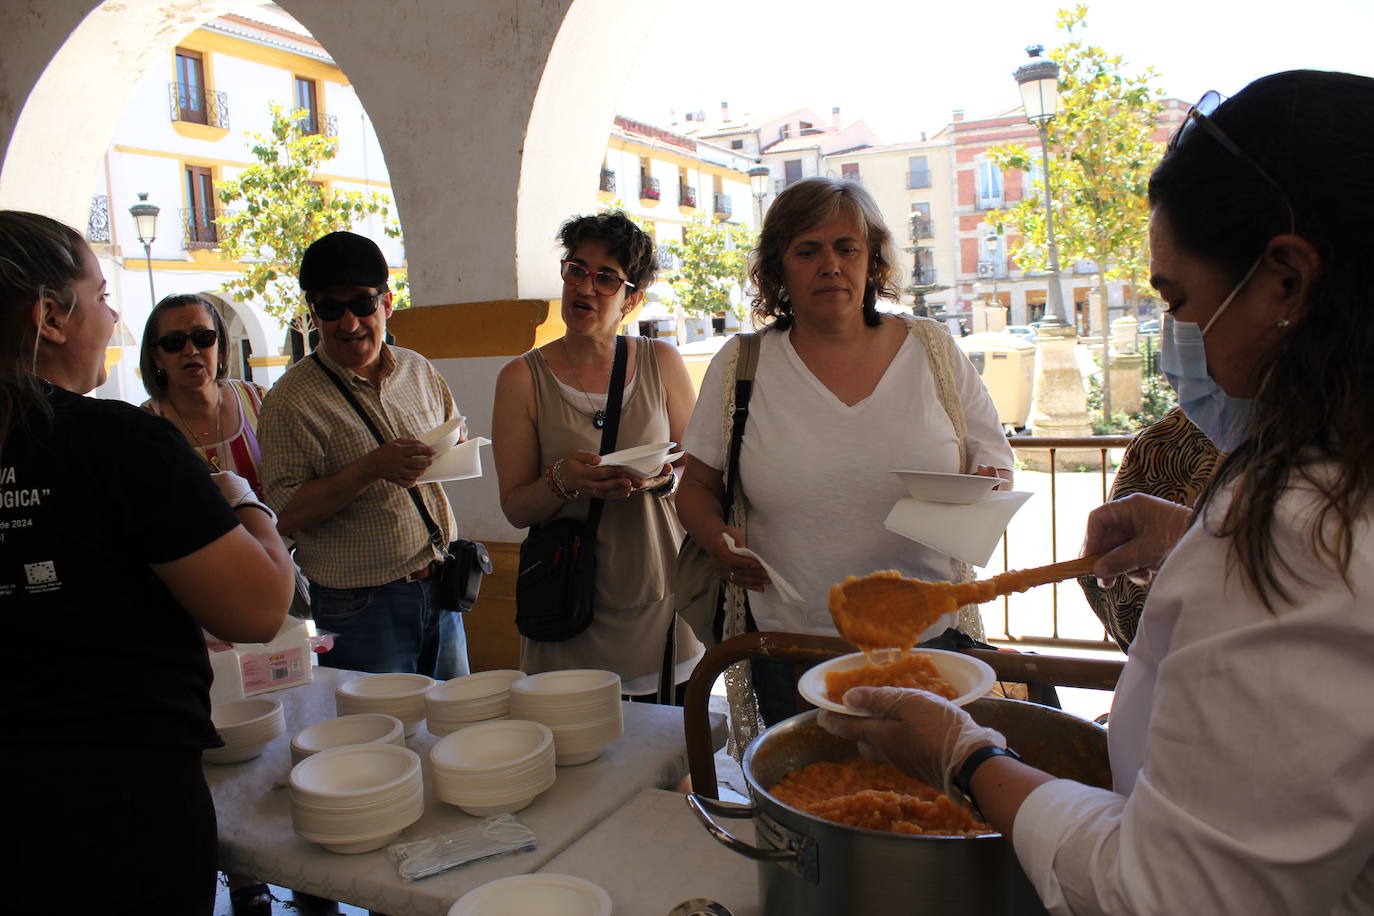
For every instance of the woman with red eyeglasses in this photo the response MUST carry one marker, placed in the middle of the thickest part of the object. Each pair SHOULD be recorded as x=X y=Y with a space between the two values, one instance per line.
x=1240 y=730
x=184 y=360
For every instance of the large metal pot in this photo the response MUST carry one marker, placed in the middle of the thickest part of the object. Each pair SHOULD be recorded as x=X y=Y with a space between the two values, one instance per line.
x=812 y=866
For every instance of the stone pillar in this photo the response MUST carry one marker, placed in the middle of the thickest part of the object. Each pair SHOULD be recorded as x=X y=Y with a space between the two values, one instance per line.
x=1059 y=405
x=1125 y=334
x=1127 y=372
x=996 y=316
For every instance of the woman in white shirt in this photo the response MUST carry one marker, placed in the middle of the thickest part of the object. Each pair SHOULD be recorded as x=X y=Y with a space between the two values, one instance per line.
x=1240 y=731
x=842 y=396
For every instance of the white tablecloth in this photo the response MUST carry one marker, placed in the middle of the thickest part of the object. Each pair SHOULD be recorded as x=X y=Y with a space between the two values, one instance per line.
x=653 y=854
x=254 y=810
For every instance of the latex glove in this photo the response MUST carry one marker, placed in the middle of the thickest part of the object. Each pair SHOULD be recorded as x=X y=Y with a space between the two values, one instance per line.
x=237 y=492
x=921 y=734
x=1138 y=532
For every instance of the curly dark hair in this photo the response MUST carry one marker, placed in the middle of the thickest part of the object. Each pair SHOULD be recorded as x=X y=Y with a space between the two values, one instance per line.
x=804 y=206
x=1313 y=132
x=154 y=384
x=627 y=243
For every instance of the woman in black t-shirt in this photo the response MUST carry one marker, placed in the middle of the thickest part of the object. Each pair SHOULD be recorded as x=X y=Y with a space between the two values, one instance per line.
x=118 y=547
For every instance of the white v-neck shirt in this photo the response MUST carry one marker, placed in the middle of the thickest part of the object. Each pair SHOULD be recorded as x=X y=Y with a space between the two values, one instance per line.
x=816 y=472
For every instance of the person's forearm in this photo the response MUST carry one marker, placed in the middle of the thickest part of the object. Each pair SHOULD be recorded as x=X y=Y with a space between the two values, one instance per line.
x=699 y=510
x=325 y=497
x=531 y=503
x=999 y=787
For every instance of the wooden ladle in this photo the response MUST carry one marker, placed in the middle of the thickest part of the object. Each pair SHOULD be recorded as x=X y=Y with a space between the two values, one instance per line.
x=886 y=609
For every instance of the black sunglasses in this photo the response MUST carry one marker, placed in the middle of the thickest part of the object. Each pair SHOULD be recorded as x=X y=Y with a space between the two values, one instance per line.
x=361 y=305
x=1199 y=115
x=175 y=341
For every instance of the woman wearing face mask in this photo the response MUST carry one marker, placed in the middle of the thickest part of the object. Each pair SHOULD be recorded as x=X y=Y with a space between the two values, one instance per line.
x=1240 y=730
x=115 y=559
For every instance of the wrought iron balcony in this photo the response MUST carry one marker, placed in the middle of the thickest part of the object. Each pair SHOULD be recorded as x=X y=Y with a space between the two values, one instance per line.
x=915 y=181
x=607 y=181
x=687 y=195
x=648 y=188
x=725 y=206
x=312 y=123
x=192 y=103
x=198 y=229
x=98 y=222
x=666 y=259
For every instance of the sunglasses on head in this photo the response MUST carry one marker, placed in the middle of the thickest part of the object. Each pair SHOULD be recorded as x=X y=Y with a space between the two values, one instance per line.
x=175 y=341
x=362 y=305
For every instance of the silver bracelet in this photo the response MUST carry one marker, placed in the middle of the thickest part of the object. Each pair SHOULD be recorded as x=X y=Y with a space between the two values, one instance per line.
x=564 y=490
x=668 y=487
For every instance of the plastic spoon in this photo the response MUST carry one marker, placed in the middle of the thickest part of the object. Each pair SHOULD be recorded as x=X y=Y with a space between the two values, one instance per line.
x=886 y=609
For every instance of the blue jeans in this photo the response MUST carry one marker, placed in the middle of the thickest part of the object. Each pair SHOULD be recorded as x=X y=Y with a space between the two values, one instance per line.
x=392 y=627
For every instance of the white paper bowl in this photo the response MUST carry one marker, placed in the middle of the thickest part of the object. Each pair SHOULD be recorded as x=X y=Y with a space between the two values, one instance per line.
x=935 y=487
x=399 y=695
x=491 y=746
x=246 y=727
x=561 y=690
x=642 y=460
x=363 y=728
x=534 y=895
x=358 y=773
x=970 y=676
x=444 y=436
x=461 y=462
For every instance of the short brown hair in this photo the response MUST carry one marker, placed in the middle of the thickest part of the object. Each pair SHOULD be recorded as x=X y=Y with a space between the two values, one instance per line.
x=803 y=206
x=154 y=385
x=627 y=243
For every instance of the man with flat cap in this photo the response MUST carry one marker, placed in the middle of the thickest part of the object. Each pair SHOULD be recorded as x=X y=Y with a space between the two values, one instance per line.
x=343 y=490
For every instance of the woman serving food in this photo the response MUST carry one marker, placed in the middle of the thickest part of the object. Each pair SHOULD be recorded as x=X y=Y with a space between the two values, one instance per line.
x=1240 y=730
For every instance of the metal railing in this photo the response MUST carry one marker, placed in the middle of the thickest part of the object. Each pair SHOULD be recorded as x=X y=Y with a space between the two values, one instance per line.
x=313 y=123
x=725 y=206
x=648 y=188
x=190 y=103
x=98 y=220
x=607 y=181
x=1102 y=445
x=198 y=228
x=687 y=195
x=666 y=259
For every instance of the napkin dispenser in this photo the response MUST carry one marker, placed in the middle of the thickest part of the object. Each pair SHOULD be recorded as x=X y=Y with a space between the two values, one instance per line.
x=248 y=669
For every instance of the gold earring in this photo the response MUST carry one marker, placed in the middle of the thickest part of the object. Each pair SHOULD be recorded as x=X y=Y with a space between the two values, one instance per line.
x=1284 y=322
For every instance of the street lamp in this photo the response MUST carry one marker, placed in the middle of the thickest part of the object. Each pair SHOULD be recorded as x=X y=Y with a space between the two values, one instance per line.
x=1039 y=82
x=994 y=246
x=759 y=177
x=145 y=221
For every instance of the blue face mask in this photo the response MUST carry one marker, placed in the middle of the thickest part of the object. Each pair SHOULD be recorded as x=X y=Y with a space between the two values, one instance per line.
x=1183 y=360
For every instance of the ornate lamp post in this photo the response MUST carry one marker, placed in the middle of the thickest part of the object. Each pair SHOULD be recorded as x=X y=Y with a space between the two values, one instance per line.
x=145 y=221
x=759 y=178
x=1039 y=82
x=1059 y=406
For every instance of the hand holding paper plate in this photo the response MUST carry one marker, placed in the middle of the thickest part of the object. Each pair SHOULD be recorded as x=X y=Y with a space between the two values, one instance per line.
x=454 y=460
x=446 y=435
x=642 y=460
x=785 y=591
x=956 y=514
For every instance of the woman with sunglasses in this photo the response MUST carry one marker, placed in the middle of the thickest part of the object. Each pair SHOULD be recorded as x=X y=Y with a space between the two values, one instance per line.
x=546 y=438
x=1240 y=731
x=184 y=360
x=118 y=548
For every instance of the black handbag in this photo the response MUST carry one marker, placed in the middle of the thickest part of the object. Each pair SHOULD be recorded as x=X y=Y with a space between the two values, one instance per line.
x=556 y=585
x=458 y=579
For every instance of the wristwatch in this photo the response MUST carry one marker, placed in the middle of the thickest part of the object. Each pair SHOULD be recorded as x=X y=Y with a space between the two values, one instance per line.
x=667 y=488
x=972 y=763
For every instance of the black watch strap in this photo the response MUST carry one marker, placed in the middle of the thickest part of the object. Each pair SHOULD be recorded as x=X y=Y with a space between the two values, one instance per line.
x=974 y=761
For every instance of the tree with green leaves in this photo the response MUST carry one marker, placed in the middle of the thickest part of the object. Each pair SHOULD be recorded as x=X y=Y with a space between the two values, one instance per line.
x=1101 y=153
x=712 y=264
x=276 y=207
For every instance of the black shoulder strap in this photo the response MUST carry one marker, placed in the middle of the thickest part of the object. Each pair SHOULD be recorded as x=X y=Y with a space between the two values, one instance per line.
x=436 y=535
x=747 y=362
x=614 y=395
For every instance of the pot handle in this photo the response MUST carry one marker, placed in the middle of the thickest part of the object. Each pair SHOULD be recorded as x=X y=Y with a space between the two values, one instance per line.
x=700 y=806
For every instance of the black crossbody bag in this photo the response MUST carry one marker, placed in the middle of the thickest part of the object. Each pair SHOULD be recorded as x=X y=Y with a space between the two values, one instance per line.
x=557 y=581
x=459 y=577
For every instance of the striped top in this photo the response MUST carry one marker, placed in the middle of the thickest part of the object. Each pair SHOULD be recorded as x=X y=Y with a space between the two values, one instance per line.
x=308 y=431
x=239 y=452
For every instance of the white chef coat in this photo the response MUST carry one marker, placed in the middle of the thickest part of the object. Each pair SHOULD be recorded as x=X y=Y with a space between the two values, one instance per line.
x=1242 y=745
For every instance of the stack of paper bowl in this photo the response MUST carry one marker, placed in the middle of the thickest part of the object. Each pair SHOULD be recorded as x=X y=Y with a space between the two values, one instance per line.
x=365 y=728
x=356 y=798
x=399 y=695
x=472 y=698
x=247 y=726
x=496 y=766
x=581 y=707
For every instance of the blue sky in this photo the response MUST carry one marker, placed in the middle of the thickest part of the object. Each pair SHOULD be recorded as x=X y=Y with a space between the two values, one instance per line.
x=905 y=66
